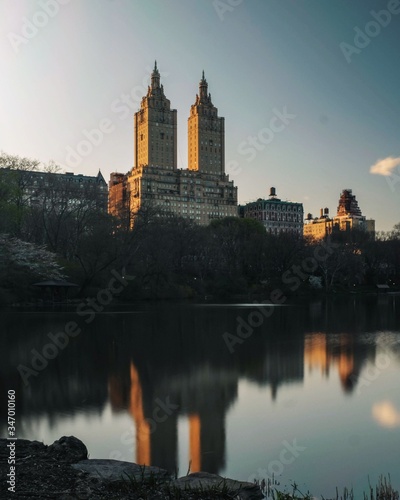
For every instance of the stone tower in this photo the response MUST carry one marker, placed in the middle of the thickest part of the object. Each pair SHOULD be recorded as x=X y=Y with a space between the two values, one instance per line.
x=200 y=193
x=348 y=205
x=155 y=128
x=206 y=134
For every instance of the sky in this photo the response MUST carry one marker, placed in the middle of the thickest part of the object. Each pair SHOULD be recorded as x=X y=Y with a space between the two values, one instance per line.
x=310 y=89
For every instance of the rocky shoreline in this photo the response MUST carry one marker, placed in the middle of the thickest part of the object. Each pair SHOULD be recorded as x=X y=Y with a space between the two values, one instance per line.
x=63 y=471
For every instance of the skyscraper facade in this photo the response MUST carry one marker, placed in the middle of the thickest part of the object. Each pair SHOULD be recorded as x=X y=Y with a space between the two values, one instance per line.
x=201 y=192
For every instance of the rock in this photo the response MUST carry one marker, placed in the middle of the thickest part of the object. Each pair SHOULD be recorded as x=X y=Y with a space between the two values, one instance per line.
x=25 y=448
x=68 y=449
x=205 y=481
x=114 y=471
x=39 y=474
x=107 y=470
x=62 y=471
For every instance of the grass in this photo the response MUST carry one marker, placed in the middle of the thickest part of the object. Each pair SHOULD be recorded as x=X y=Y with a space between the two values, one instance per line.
x=145 y=486
x=382 y=491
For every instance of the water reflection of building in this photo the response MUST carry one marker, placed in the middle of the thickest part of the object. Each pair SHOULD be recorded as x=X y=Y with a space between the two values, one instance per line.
x=192 y=367
x=203 y=385
x=323 y=351
x=203 y=396
x=282 y=363
x=143 y=445
x=177 y=354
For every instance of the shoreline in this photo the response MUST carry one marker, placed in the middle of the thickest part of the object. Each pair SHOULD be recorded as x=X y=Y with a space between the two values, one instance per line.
x=63 y=471
x=211 y=299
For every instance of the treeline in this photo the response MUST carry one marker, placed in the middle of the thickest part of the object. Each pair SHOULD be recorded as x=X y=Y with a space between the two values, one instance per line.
x=170 y=257
x=233 y=256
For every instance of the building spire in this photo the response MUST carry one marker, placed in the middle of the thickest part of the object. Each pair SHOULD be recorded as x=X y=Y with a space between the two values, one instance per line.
x=155 y=77
x=203 y=88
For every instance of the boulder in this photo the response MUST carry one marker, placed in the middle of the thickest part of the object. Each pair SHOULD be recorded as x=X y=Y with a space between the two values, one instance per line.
x=68 y=449
x=111 y=471
x=206 y=481
x=62 y=470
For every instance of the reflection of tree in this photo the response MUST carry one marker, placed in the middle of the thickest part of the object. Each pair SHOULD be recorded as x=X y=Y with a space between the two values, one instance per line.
x=68 y=382
x=176 y=353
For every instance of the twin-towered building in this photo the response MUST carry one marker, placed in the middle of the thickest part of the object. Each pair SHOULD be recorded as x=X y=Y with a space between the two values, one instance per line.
x=201 y=192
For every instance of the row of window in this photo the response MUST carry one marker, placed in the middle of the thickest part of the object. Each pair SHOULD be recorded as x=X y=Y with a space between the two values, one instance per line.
x=275 y=207
x=182 y=200
x=276 y=216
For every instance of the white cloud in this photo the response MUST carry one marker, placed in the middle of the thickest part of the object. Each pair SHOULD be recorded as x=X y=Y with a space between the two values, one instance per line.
x=385 y=166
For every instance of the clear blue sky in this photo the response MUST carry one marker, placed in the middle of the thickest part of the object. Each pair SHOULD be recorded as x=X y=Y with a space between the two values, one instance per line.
x=68 y=71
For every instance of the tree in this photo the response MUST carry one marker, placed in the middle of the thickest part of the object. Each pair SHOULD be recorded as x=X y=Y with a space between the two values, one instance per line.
x=97 y=249
x=14 y=195
x=233 y=254
x=395 y=233
x=22 y=263
x=282 y=252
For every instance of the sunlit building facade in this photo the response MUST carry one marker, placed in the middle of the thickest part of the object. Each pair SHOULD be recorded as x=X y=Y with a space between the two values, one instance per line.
x=348 y=217
x=201 y=192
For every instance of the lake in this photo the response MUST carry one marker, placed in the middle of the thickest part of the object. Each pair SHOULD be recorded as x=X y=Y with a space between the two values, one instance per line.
x=306 y=392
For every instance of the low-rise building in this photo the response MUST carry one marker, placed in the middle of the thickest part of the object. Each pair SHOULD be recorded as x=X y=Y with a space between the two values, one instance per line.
x=348 y=217
x=276 y=215
x=40 y=188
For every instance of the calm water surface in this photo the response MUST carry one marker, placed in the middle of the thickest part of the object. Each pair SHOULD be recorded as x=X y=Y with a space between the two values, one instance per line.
x=309 y=392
